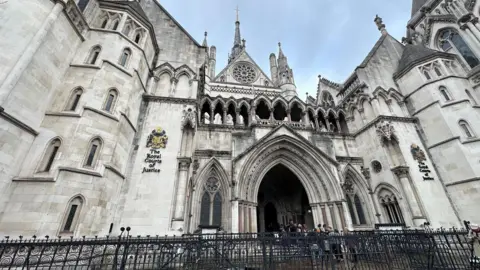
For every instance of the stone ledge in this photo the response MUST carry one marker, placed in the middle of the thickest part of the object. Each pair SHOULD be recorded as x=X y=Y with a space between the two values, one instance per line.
x=425 y=107
x=381 y=118
x=65 y=113
x=470 y=140
x=85 y=66
x=118 y=67
x=140 y=79
x=169 y=99
x=453 y=102
x=115 y=170
x=463 y=181
x=129 y=122
x=443 y=142
x=17 y=122
x=356 y=160
x=431 y=82
x=212 y=153
x=81 y=171
x=33 y=179
x=88 y=108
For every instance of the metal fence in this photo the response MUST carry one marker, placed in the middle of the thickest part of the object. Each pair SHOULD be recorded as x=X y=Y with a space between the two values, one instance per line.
x=360 y=250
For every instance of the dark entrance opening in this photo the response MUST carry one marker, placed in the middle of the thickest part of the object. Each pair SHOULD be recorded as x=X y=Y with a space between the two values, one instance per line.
x=281 y=199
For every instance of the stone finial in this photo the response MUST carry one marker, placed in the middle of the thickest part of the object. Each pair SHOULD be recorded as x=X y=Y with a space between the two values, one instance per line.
x=244 y=43
x=381 y=26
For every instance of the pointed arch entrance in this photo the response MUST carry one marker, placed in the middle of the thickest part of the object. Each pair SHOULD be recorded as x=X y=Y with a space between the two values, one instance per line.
x=314 y=169
x=281 y=199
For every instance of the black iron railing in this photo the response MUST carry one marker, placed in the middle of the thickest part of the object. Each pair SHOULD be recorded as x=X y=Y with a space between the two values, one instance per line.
x=443 y=249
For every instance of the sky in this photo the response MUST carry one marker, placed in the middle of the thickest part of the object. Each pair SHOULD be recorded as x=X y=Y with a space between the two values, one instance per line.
x=319 y=37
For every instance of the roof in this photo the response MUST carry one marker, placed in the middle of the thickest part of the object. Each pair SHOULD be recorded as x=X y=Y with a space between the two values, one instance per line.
x=416 y=5
x=413 y=54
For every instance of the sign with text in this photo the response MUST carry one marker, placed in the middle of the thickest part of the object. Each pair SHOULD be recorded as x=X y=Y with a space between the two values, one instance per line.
x=156 y=140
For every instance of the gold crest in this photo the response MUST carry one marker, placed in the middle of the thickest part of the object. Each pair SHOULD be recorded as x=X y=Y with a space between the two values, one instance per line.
x=417 y=153
x=157 y=139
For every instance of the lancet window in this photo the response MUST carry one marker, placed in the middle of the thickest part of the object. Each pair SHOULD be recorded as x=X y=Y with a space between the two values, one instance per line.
x=211 y=205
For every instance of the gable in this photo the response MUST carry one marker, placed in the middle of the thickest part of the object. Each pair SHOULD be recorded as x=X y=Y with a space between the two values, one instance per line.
x=243 y=70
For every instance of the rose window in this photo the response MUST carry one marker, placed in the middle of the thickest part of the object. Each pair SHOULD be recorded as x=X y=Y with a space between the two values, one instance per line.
x=244 y=73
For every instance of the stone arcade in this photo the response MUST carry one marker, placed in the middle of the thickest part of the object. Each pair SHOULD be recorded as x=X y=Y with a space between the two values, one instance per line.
x=112 y=115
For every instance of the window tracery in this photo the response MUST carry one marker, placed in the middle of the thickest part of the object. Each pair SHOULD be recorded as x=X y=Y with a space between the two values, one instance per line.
x=244 y=73
x=327 y=100
x=376 y=166
x=449 y=39
x=354 y=203
x=390 y=206
x=211 y=204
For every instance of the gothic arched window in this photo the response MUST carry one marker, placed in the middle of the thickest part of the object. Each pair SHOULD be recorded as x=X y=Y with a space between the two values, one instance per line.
x=444 y=93
x=49 y=156
x=115 y=25
x=354 y=203
x=104 y=23
x=427 y=74
x=138 y=37
x=74 y=99
x=110 y=100
x=94 y=53
x=437 y=71
x=93 y=153
x=390 y=206
x=467 y=131
x=125 y=57
x=327 y=100
x=71 y=218
x=211 y=204
x=449 y=38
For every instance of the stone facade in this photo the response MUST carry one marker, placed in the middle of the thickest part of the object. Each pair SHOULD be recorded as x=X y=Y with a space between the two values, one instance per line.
x=112 y=115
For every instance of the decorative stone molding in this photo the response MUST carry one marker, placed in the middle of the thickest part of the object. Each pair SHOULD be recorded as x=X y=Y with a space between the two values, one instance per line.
x=385 y=131
x=189 y=117
x=17 y=122
x=366 y=172
x=212 y=153
x=184 y=163
x=348 y=186
x=173 y=100
x=401 y=171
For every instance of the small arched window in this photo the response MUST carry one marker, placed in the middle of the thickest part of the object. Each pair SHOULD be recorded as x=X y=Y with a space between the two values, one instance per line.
x=427 y=75
x=445 y=94
x=391 y=208
x=467 y=131
x=74 y=99
x=104 y=23
x=110 y=100
x=449 y=38
x=94 y=53
x=49 y=156
x=82 y=4
x=115 y=25
x=472 y=99
x=211 y=203
x=125 y=57
x=93 y=153
x=327 y=100
x=70 y=221
x=138 y=37
x=437 y=71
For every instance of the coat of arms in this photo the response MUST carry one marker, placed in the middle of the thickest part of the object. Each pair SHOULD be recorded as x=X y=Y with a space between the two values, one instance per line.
x=417 y=153
x=157 y=139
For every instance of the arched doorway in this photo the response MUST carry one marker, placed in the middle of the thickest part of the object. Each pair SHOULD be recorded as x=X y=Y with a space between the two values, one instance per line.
x=281 y=199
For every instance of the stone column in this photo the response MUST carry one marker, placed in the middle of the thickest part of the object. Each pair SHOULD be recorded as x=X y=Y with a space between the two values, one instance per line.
x=261 y=215
x=22 y=63
x=271 y=115
x=246 y=218
x=317 y=126
x=212 y=116
x=403 y=176
x=341 y=214
x=123 y=20
x=237 y=117
x=346 y=214
x=252 y=116
x=183 y=166
x=289 y=116
x=330 y=216
x=337 y=122
x=235 y=217
x=224 y=117
x=253 y=222
x=470 y=39
x=241 y=218
x=375 y=206
x=475 y=31
x=336 y=216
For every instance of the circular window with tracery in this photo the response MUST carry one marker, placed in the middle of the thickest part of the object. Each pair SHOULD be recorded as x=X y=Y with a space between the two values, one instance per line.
x=244 y=73
x=377 y=166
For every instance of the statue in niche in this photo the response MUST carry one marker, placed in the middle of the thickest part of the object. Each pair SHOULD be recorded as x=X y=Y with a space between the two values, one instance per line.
x=285 y=119
x=312 y=125
x=229 y=120
x=322 y=128
x=241 y=121
x=206 y=118
x=218 y=119
x=332 y=127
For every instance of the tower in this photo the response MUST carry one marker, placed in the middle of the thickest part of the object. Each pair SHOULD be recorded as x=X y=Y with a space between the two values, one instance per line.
x=285 y=75
x=274 y=68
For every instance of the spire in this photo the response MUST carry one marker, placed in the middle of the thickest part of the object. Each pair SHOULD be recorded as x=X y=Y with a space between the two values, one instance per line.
x=381 y=26
x=280 y=52
x=204 y=44
x=237 y=42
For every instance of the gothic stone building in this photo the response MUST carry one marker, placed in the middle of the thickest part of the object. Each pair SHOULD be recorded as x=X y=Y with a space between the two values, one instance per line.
x=112 y=115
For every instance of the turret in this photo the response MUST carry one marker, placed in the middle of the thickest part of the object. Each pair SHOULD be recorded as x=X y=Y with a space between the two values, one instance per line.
x=285 y=75
x=213 y=61
x=274 y=68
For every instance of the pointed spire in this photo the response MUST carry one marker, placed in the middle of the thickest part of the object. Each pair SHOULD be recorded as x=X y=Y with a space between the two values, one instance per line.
x=237 y=42
x=204 y=44
x=280 y=52
x=381 y=26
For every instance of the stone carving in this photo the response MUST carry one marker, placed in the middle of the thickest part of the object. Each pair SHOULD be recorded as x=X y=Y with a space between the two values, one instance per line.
x=385 y=131
x=365 y=172
x=348 y=186
x=241 y=121
x=218 y=119
x=173 y=86
x=157 y=139
x=206 y=118
x=229 y=120
x=244 y=73
x=188 y=118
